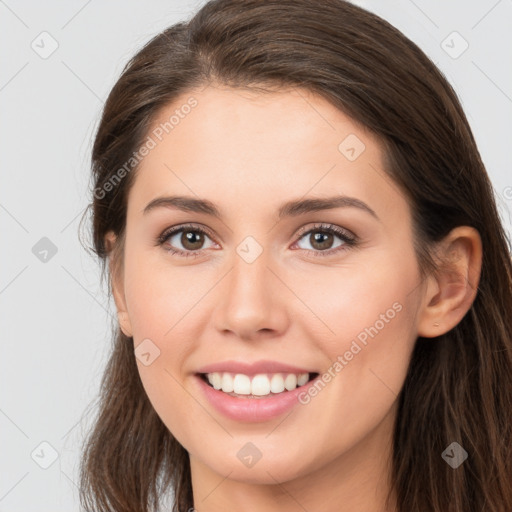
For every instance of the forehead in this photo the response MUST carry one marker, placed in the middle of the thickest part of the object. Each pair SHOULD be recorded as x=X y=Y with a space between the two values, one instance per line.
x=278 y=119
x=235 y=143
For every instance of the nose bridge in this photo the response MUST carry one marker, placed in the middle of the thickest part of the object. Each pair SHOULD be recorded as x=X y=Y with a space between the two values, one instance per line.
x=250 y=299
x=249 y=287
x=249 y=267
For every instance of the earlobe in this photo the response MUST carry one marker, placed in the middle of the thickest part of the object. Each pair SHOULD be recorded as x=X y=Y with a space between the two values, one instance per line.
x=124 y=323
x=450 y=293
x=122 y=313
x=116 y=283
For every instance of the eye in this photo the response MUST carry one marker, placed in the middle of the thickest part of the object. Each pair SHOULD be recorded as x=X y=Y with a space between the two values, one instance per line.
x=321 y=239
x=191 y=238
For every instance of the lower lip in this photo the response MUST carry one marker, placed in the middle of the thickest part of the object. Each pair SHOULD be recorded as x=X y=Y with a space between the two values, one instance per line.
x=253 y=409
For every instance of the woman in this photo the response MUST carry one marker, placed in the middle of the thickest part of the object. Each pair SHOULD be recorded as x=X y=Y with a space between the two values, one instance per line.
x=312 y=283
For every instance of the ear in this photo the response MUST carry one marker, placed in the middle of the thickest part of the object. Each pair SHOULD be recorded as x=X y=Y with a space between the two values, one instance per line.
x=117 y=282
x=450 y=293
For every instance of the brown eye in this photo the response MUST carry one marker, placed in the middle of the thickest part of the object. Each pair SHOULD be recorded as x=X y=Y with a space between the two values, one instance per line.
x=325 y=240
x=192 y=240
x=185 y=240
x=321 y=241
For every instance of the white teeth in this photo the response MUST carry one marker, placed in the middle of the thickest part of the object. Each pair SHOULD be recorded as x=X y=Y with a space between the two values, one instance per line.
x=214 y=380
x=242 y=384
x=227 y=383
x=277 y=383
x=290 y=382
x=259 y=385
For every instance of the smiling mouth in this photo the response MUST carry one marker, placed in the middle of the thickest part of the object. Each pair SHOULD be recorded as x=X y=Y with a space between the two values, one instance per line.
x=257 y=386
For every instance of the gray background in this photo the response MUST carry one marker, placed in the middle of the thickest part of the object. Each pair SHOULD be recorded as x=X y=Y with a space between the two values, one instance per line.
x=56 y=316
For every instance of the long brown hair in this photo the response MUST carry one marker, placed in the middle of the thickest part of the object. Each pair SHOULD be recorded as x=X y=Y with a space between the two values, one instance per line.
x=459 y=385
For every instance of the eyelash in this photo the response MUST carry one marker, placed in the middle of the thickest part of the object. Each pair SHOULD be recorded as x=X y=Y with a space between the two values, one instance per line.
x=348 y=240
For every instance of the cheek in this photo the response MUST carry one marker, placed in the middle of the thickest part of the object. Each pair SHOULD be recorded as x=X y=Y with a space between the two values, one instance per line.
x=357 y=298
x=159 y=295
x=362 y=317
x=368 y=358
x=164 y=308
x=168 y=396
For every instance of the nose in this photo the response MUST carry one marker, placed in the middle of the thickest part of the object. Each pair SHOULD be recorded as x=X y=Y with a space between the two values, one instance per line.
x=252 y=301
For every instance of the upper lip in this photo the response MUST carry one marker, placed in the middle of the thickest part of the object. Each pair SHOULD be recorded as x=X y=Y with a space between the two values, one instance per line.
x=262 y=366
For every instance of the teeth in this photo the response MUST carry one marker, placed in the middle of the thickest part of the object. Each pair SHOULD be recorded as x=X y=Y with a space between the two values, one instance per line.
x=260 y=385
x=227 y=383
x=277 y=383
x=302 y=379
x=215 y=380
x=242 y=384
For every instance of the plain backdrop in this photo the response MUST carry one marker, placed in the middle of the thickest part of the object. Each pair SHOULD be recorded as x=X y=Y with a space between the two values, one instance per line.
x=59 y=60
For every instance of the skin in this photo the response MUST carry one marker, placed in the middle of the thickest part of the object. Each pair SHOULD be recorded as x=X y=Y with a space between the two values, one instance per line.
x=248 y=153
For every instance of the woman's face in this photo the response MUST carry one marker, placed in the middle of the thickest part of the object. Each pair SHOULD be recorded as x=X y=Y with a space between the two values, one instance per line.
x=307 y=268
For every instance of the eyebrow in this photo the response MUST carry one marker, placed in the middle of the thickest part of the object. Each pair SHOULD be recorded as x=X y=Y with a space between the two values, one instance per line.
x=289 y=209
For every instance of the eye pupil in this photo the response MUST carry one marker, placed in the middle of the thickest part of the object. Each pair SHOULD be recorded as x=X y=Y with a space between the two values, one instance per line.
x=189 y=238
x=324 y=240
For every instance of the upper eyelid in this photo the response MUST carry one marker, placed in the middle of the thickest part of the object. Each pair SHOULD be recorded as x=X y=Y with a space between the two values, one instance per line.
x=327 y=226
x=181 y=227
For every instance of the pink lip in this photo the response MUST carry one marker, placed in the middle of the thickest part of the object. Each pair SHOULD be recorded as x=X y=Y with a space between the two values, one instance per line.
x=253 y=409
x=252 y=368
